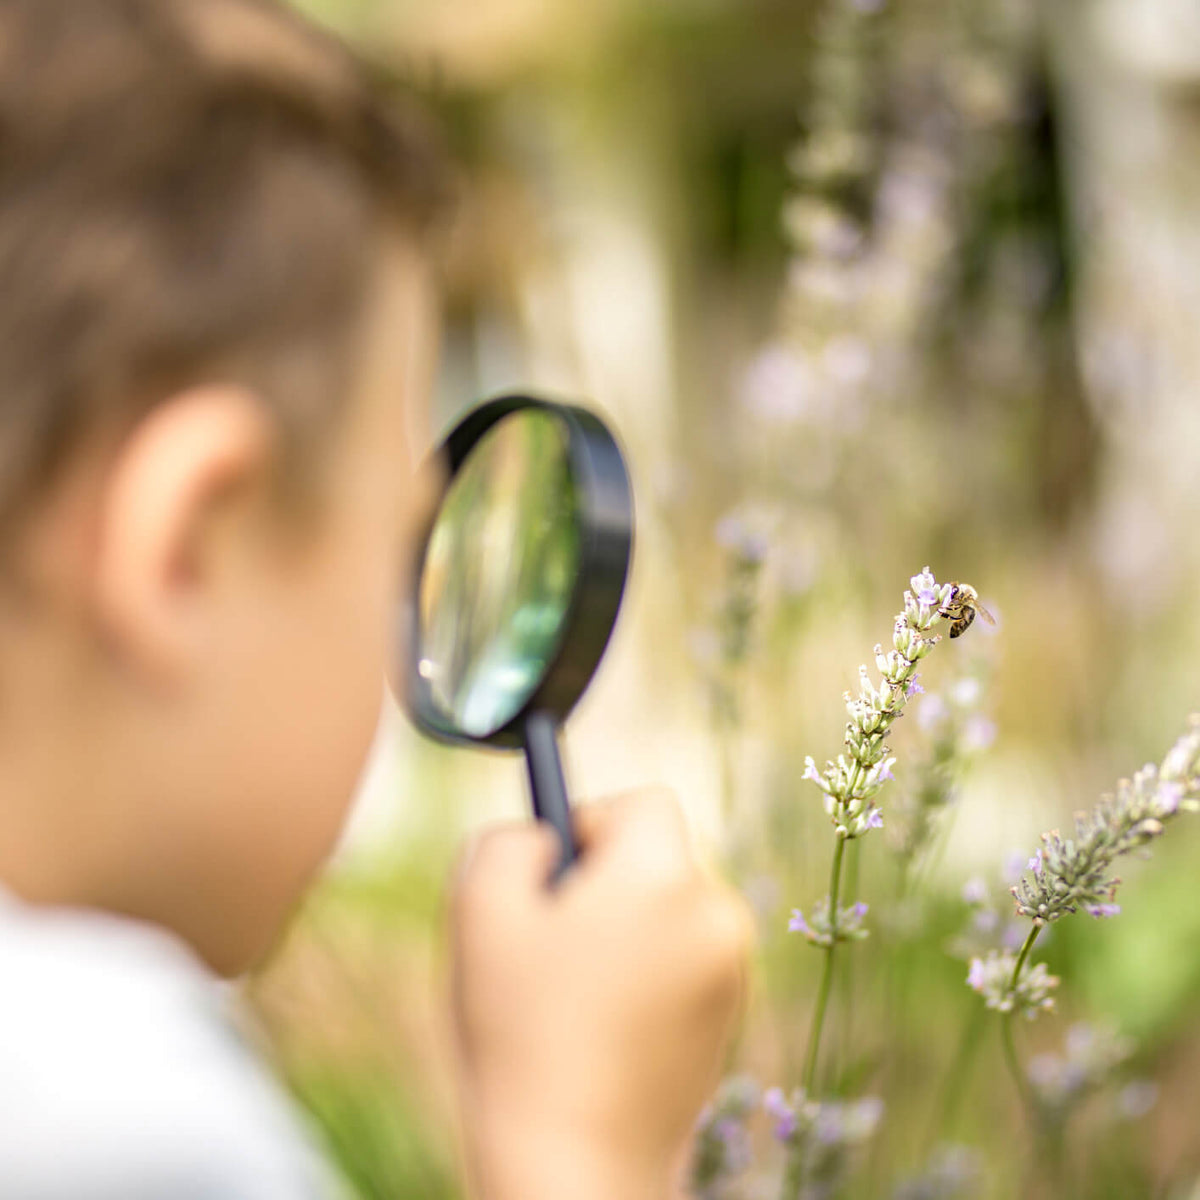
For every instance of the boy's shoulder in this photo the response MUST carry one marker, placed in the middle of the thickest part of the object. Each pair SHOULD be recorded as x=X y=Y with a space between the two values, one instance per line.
x=122 y=1075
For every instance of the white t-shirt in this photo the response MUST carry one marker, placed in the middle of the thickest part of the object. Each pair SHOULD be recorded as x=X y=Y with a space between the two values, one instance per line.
x=122 y=1076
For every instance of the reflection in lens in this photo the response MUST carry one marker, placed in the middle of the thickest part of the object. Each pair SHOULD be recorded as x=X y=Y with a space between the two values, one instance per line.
x=499 y=573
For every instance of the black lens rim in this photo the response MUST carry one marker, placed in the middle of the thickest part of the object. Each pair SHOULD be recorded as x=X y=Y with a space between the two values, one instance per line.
x=604 y=507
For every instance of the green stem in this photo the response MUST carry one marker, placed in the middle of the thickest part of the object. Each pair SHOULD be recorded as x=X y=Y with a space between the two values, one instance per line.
x=846 y=988
x=852 y=868
x=814 y=1037
x=1006 y=1035
x=1014 y=1066
x=1025 y=949
x=1047 y=1140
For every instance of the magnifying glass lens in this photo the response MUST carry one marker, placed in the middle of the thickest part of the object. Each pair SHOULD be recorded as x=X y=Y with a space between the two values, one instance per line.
x=499 y=573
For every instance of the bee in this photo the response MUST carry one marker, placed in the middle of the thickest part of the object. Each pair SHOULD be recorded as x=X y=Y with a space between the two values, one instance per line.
x=961 y=608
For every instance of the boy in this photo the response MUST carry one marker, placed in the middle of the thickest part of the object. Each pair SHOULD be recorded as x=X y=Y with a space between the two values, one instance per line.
x=215 y=321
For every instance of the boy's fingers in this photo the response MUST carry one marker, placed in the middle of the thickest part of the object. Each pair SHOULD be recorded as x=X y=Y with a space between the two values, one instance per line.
x=600 y=821
x=643 y=835
x=506 y=860
x=645 y=828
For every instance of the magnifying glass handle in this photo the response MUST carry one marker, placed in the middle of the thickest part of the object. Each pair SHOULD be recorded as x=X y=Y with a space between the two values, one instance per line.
x=547 y=784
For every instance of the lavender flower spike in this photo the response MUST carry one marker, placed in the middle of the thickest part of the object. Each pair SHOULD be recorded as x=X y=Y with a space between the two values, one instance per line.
x=820 y=1138
x=1069 y=874
x=992 y=976
x=722 y=1148
x=782 y=1113
x=850 y=783
x=821 y=931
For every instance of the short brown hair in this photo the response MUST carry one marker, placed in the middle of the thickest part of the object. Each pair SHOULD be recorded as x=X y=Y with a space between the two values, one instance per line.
x=187 y=188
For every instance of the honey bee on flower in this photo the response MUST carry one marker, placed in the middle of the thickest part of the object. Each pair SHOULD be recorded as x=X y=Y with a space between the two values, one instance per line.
x=960 y=608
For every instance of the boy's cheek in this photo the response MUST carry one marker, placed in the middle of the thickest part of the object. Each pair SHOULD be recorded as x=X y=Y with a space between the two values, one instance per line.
x=307 y=732
x=283 y=846
x=331 y=748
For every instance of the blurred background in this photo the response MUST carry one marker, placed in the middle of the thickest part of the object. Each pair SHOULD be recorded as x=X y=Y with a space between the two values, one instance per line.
x=864 y=286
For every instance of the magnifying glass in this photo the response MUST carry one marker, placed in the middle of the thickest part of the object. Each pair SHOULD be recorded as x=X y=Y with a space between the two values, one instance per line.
x=518 y=584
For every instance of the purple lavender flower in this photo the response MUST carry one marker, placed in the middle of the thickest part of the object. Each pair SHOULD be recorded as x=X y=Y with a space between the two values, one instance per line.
x=1035 y=863
x=847 y=359
x=1045 y=1071
x=849 y=1123
x=810 y=771
x=975 y=890
x=1136 y=1099
x=1081 y=1040
x=979 y=732
x=784 y=1116
x=932 y=711
x=1014 y=934
x=820 y=1138
x=785 y=1127
x=874 y=819
x=735 y=1142
x=1014 y=865
x=987 y=920
x=778 y=385
x=722 y=1147
x=992 y=977
x=1091 y=1055
x=866 y=1114
x=735 y=534
x=829 y=1127
x=819 y=929
x=1169 y=794
x=1104 y=910
x=913 y=688
x=924 y=583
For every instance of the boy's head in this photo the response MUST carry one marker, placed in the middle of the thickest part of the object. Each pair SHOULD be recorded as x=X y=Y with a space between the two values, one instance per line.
x=215 y=324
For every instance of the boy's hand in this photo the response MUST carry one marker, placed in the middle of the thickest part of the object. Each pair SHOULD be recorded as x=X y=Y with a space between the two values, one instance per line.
x=592 y=1018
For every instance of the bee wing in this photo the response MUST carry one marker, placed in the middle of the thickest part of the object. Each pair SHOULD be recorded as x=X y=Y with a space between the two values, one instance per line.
x=983 y=612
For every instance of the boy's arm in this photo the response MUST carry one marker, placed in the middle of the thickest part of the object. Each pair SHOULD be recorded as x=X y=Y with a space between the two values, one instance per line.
x=591 y=1019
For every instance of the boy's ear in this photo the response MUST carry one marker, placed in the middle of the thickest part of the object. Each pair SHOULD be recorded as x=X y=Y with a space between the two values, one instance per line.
x=158 y=536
